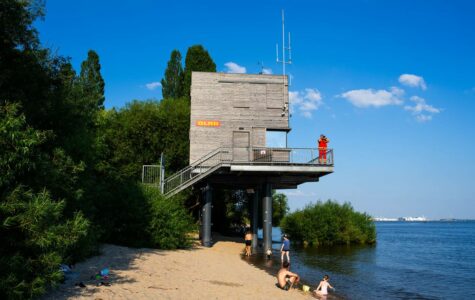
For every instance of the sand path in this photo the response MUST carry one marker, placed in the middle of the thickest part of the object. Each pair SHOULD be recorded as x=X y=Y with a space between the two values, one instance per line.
x=199 y=273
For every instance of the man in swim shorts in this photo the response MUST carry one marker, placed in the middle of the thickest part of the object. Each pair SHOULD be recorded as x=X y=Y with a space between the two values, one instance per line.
x=248 y=241
x=285 y=278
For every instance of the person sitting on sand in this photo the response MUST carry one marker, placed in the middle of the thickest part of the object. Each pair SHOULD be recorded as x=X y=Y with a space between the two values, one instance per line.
x=322 y=289
x=248 y=240
x=285 y=278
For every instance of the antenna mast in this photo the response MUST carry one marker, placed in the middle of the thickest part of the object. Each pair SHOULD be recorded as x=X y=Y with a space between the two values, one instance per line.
x=283 y=61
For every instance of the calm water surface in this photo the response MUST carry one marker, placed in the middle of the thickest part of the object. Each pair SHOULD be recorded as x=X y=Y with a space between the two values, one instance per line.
x=411 y=260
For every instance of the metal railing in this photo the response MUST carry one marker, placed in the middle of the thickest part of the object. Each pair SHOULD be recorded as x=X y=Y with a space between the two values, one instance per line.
x=249 y=155
x=283 y=156
x=197 y=170
x=151 y=174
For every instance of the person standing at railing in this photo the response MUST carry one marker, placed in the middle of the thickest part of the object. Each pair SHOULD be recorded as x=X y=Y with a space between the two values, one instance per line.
x=322 y=149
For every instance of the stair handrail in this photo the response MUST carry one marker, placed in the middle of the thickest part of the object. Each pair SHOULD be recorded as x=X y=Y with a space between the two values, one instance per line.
x=193 y=166
x=199 y=161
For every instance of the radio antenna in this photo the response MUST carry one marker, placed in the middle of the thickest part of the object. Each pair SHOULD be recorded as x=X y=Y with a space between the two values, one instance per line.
x=284 y=49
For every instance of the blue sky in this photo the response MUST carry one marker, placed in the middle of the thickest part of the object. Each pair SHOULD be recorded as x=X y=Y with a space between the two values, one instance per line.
x=391 y=83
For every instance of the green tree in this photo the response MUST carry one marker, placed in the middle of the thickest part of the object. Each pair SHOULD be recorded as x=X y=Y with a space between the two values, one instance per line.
x=17 y=32
x=91 y=80
x=197 y=59
x=280 y=208
x=34 y=233
x=172 y=84
x=138 y=133
x=329 y=223
x=169 y=222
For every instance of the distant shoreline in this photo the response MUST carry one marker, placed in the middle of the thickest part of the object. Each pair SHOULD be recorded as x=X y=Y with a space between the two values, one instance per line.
x=419 y=221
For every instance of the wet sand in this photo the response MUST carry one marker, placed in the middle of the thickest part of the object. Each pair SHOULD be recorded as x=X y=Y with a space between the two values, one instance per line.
x=199 y=273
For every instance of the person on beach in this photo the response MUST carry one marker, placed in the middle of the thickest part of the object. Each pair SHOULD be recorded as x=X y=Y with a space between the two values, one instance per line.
x=248 y=241
x=322 y=289
x=322 y=149
x=285 y=249
x=285 y=278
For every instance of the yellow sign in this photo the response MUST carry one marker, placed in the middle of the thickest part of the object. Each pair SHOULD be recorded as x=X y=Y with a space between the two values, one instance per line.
x=208 y=123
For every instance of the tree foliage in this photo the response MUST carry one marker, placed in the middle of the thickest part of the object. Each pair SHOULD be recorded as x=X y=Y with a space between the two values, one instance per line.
x=172 y=83
x=91 y=81
x=280 y=207
x=169 y=222
x=69 y=168
x=328 y=223
x=197 y=59
x=34 y=234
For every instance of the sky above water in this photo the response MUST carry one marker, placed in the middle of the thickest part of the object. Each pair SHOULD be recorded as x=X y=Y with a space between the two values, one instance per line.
x=391 y=83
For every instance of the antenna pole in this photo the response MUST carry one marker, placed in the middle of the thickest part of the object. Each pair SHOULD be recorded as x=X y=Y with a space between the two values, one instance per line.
x=290 y=50
x=283 y=44
x=283 y=61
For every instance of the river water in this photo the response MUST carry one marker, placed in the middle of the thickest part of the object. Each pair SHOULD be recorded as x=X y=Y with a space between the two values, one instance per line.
x=411 y=260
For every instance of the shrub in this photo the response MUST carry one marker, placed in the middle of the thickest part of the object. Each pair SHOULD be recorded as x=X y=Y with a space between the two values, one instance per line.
x=329 y=223
x=169 y=221
x=35 y=238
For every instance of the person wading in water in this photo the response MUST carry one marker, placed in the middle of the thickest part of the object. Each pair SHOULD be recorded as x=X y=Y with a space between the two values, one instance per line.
x=248 y=241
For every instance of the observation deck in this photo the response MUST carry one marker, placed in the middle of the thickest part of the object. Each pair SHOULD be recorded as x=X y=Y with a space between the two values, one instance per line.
x=284 y=168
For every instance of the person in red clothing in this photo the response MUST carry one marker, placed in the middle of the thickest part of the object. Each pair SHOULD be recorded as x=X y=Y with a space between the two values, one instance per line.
x=322 y=149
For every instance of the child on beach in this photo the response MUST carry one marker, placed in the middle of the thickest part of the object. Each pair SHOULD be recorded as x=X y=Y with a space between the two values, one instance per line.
x=322 y=289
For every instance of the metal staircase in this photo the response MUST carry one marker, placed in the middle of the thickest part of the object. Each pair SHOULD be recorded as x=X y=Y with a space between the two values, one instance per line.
x=214 y=160
x=196 y=171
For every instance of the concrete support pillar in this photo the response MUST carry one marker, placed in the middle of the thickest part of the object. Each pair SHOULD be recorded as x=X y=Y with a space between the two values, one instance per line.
x=267 y=216
x=255 y=218
x=206 y=239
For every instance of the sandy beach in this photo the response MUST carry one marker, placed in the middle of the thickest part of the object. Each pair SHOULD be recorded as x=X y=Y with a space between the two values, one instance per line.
x=198 y=273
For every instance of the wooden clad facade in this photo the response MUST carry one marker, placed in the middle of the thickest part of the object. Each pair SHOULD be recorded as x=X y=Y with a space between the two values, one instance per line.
x=235 y=110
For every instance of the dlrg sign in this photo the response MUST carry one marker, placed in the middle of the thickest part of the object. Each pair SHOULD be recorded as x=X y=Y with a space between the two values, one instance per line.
x=208 y=123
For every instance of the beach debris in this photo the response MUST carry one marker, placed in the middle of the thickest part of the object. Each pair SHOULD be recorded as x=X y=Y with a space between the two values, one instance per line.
x=80 y=284
x=68 y=273
x=104 y=272
x=64 y=268
x=103 y=276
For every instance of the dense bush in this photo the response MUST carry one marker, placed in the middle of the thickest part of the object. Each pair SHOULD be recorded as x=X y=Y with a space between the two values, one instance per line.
x=169 y=222
x=329 y=223
x=35 y=234
x=35 y=241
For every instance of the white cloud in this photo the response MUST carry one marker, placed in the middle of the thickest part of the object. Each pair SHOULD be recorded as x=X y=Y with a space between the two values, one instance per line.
x=153 y=85
x=397 y=91
x=305 y=101
x=234 y=68
x=375 y=98
x=413 y=81
x=421 y=109
x=267 y=71
x=423 y=118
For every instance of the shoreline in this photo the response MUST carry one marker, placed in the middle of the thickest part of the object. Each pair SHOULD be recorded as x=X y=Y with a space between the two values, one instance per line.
x=218 y=272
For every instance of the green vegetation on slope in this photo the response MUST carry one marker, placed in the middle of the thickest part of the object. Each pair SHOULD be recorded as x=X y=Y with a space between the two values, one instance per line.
x=69 y=169
x=329 y=223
